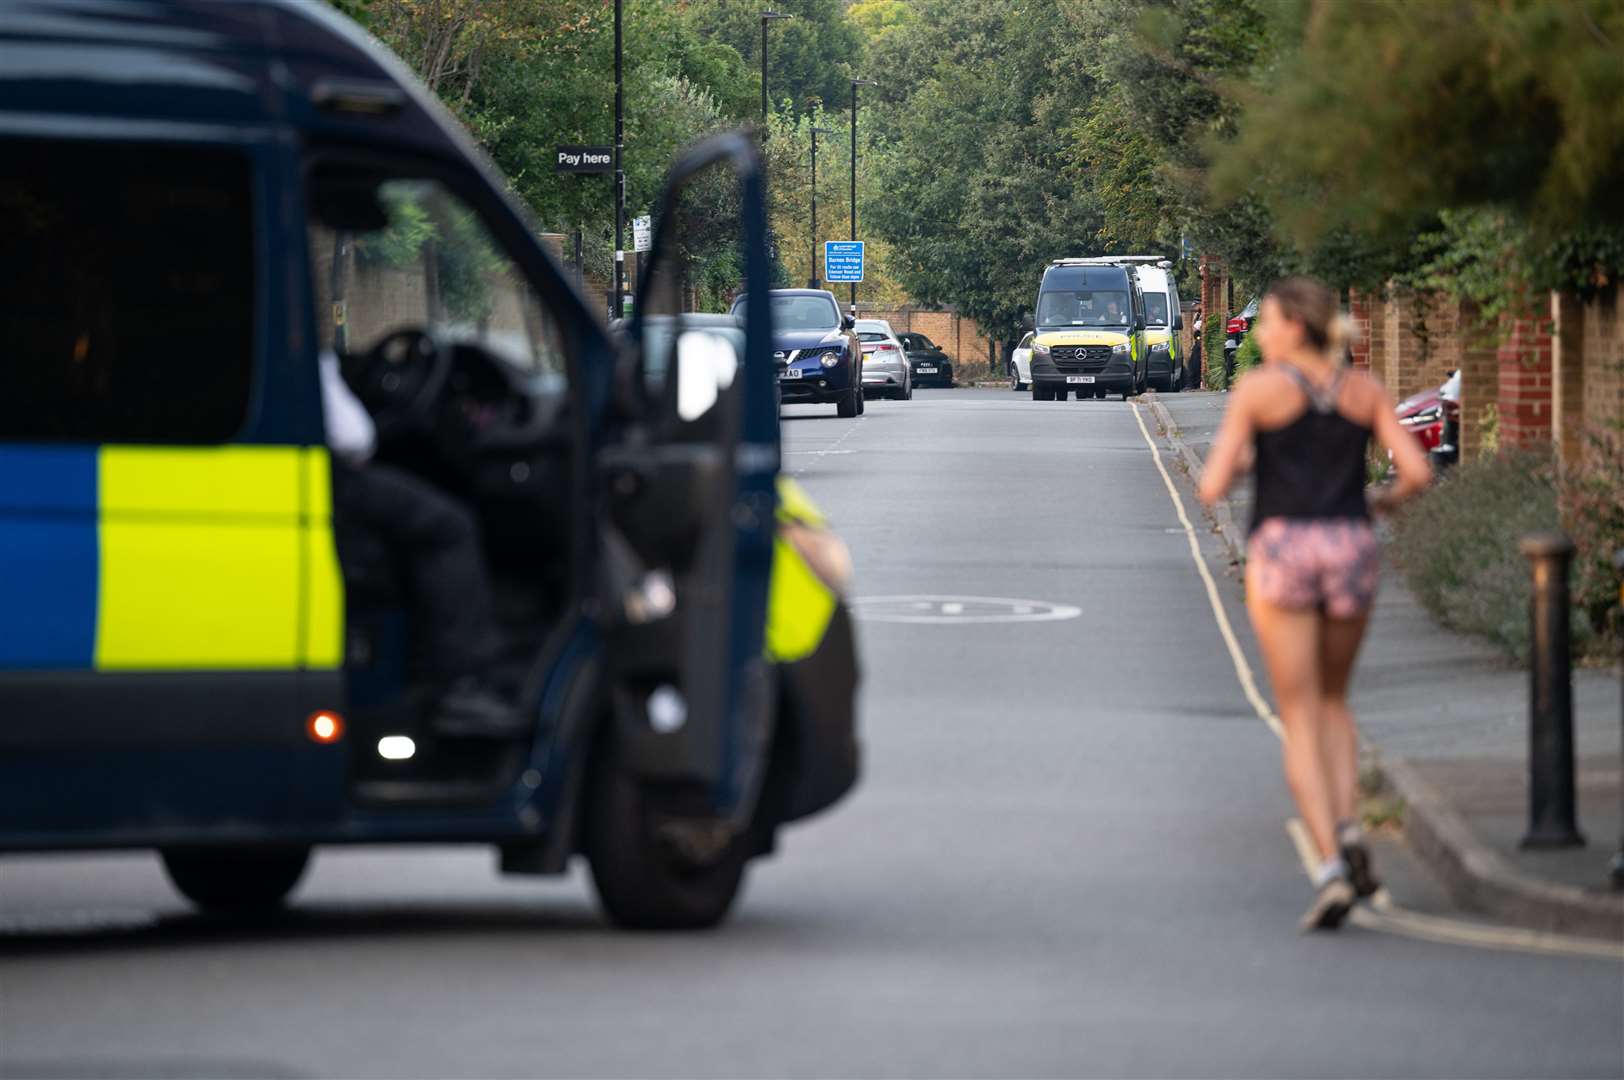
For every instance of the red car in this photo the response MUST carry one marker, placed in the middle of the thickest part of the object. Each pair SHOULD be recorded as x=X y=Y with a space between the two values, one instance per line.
x=1423 y=416
x=1433 y=416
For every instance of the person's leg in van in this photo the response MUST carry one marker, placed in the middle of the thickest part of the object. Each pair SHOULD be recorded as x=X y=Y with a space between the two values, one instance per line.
x=435 y=541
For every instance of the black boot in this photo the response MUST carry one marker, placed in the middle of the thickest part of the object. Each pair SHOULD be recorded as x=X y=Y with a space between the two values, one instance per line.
x=473 y=708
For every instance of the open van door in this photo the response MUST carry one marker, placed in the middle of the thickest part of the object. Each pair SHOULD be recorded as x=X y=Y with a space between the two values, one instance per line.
x=685 y=520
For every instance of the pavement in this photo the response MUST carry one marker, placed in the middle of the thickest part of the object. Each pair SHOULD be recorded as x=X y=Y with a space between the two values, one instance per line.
x=1447 y=717
x=1069 y=855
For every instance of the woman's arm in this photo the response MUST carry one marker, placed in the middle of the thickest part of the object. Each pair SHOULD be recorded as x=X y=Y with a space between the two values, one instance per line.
x=1231 y=453
x=1414 y=470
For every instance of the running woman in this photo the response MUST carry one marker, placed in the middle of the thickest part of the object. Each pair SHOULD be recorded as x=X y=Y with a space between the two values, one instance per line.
x=1304 y=423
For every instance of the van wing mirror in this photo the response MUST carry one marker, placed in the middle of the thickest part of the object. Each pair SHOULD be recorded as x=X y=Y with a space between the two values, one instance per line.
x=1139 y=321
x=1178 y=320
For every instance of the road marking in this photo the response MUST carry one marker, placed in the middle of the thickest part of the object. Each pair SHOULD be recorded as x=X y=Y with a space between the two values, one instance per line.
x=940 y=610
x=833 y=448
x=1243 y=670
x=1382 y=915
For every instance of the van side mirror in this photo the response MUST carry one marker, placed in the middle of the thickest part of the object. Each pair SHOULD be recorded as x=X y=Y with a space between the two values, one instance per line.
x=1139 y=321
x=1178 y=320
x=1029 y=322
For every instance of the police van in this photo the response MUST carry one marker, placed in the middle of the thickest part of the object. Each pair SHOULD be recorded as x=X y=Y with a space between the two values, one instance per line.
x=1089 y=331
x=1165 y=368
x=202 y=201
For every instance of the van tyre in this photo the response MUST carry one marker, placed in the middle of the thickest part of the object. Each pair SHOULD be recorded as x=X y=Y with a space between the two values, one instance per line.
x=642 y=883
x=236 y=881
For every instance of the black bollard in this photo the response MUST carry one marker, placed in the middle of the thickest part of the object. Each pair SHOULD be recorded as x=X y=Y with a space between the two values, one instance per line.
x=1551 y=821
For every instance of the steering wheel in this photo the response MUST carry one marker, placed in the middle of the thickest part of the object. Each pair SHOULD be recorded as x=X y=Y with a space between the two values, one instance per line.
x=401 y=378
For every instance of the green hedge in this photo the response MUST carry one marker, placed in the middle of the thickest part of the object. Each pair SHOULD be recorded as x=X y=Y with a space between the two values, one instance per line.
x=1457 y=546
x=1248 y=356
x=1212 y=353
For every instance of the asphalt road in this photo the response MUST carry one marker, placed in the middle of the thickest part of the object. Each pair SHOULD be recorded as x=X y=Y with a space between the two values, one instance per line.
x=1068 y=857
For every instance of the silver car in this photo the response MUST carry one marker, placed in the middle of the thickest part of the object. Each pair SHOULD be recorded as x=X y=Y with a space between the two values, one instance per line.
x=885 y=362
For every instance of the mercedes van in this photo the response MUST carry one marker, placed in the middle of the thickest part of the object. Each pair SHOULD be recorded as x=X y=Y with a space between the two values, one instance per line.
x=1089 y=331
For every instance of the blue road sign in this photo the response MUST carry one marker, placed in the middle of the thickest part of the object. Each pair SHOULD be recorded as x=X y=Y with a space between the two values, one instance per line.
x=843 y=260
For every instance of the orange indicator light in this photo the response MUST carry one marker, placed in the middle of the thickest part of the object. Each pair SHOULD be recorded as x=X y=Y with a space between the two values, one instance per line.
x=324 y=727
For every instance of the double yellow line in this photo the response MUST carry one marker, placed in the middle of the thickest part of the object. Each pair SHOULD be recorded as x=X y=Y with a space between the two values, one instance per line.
x=1381 y=914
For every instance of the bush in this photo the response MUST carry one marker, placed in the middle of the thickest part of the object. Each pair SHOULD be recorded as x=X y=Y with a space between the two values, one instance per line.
x=1248 y=356
x=1590 y=497
x=1457 y=545
x=1213 y=336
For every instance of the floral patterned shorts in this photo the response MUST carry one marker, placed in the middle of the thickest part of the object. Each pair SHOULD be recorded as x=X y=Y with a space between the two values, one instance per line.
x=1331 y=565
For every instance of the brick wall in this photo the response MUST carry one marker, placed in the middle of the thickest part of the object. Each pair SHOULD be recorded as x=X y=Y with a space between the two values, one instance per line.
x=1567 y=374
x=1525 y=381
x=1214 y=290
x=1480 y=382
x=1415 y=342
x=1602 y=342
x=1187 y=334
x=957 y=335
x=1360 y=305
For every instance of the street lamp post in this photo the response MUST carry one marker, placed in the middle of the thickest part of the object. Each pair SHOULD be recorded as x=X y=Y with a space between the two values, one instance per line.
x=855 y=83
x=766 y=17
x=812 y=266
x=620 y=179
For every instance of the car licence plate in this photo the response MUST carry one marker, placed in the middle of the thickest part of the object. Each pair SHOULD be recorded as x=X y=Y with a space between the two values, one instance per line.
x=1079 y=378
x=926 y=369
x=791 y=373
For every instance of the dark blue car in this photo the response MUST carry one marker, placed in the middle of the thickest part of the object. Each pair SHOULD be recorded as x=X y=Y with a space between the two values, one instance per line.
x=820 y=359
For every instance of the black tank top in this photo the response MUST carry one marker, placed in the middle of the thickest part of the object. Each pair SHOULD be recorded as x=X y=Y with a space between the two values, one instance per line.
x=1313 y=467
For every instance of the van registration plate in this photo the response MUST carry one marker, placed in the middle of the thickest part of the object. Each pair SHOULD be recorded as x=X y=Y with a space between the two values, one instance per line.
x=1079 y=378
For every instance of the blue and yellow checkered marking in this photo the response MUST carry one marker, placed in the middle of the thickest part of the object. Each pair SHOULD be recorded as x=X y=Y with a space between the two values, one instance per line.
x=150 y=558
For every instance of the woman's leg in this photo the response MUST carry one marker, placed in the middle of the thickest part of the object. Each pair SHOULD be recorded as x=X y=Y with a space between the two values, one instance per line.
x=1290 y=640
x=1339 y=648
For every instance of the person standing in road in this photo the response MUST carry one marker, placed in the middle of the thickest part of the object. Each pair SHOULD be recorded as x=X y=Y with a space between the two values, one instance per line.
x=1304 y=423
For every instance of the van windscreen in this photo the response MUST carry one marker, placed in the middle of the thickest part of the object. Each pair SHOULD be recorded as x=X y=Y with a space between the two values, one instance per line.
x=1084 y=307
x=1156 y=309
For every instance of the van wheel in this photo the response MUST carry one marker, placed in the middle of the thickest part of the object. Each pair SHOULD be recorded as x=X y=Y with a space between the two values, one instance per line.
x=235 y=881
x=642 y=883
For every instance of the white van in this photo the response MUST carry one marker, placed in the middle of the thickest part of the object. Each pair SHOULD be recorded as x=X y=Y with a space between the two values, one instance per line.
x=1162 y=321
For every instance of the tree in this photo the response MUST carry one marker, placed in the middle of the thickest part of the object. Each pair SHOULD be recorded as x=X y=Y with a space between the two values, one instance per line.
x=811 y=58
x=975 y=193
